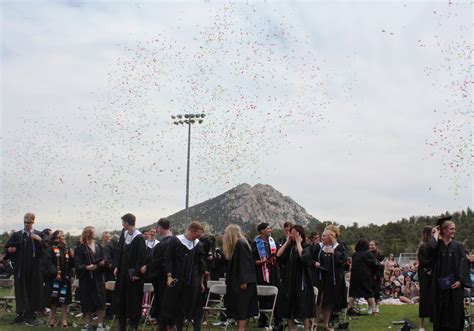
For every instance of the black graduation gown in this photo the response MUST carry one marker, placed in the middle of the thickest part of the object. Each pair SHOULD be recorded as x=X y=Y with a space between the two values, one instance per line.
x=364 y=265
x=91 y=291
x=274 y=271
x=184 y=299
x=297 y=294
x=156 y=273
x=128 y=294
x=27 y=271
x=66 y=265
x=447 y=305
x=377 y=275
x=425 y=261
x=274 y=277
x=330 y=281
x=241 y=305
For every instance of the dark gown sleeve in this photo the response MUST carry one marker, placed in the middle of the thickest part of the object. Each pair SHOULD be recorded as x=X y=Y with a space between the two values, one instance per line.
x=202 y=261
x=463 y=272
x=169 y=256
x=50 y=263
x=307 y=255
x=117 y=251
x=340 y=255
x=141 y=257
x=245 y=262
x=371 y=261
x=80 y=261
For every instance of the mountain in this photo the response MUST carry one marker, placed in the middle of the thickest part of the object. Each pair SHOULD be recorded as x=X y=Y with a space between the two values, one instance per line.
x=246 y=206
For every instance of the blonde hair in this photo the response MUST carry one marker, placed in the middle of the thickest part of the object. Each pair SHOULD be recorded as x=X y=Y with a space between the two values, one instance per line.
x=232 y=235
x=334 y=229
x=444 y=226
x=87 y=234
x=29 y=217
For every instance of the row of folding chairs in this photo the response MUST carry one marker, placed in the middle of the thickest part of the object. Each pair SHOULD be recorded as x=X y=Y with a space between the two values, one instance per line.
x=218 y=289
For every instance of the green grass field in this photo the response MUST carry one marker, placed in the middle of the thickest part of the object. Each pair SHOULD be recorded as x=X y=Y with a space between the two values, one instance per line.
x=388 y=313
x=362 y=323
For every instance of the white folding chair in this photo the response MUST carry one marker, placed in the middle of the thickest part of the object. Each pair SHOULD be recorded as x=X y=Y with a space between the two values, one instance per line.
x=148 y=289
x=220 y=290
x=7 y=299
x=268 y=291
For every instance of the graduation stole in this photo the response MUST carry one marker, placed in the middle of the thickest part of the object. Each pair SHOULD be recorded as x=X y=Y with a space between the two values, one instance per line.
x=333 y=246
x=262 y=252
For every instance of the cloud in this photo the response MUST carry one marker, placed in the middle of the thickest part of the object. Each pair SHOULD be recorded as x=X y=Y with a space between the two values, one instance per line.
x=330 y=103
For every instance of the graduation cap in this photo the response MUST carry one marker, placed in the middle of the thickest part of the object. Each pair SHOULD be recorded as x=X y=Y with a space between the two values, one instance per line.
x=443 y=219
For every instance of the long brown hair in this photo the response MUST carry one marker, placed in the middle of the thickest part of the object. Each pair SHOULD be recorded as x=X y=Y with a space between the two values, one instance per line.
x=87 y=234
x=426 y=234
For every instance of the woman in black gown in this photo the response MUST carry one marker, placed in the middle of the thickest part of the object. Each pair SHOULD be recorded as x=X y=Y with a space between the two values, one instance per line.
x=298 y=301
x=58 y=277
x=241 y=281
x=90 y=263
x=450 y=274
x=329 y=258
x=364 y=265
x=425 y=262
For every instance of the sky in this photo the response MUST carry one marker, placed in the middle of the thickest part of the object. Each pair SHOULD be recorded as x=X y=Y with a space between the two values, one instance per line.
x=359 y=111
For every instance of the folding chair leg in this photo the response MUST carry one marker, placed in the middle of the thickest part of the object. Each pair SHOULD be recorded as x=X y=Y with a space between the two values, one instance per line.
x=148 y=311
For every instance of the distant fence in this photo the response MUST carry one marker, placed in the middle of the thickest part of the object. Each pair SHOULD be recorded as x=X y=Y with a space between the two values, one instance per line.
x=406 y=258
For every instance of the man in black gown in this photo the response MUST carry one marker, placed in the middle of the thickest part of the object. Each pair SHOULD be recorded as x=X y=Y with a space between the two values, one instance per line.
x=130 y=258
x=26 y=248
x=155 y=270
x=185 y=265
x=264 y=249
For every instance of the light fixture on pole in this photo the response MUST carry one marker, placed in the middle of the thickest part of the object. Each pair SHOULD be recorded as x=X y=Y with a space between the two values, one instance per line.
x=188 y=119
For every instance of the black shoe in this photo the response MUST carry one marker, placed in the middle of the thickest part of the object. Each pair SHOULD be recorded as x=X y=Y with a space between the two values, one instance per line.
x=18 y=320
x=351 y=312
x=262 y=325
x=34 y=322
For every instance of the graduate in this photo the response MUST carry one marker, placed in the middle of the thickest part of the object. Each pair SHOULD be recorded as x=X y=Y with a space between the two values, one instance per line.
x=450 y=274
x=90 y=263
x=151 y=242
x=425 y=264
x=155 y=271
x=264 y=249
x=58 y=277
x=364 y=265
x=26 y=249
x=185 y=266
x=329 y=257
x=297 y=284
x=131 y=256
x=241 y=288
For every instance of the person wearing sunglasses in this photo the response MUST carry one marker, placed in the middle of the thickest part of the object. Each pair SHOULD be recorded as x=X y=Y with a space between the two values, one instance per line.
x=26 y=249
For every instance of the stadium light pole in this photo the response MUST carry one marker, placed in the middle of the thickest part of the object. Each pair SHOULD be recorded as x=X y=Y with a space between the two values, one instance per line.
x=189 y=120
